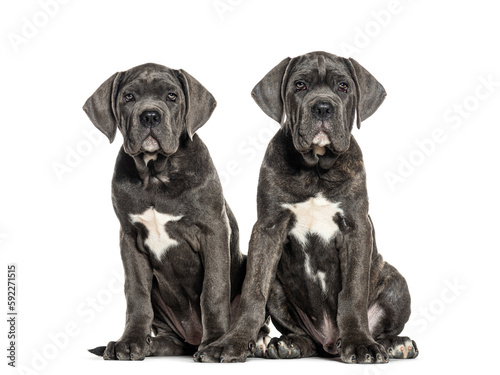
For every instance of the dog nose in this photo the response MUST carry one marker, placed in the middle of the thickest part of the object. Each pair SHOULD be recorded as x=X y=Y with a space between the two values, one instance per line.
x=150 y=118
x=322 y=110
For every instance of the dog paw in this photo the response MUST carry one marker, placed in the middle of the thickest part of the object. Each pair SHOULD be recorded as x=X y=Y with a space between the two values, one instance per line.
x=282 y=348
x=400 y=347
x=225 y=352
x=361 y=351
x=261 y=346
x=126 y=349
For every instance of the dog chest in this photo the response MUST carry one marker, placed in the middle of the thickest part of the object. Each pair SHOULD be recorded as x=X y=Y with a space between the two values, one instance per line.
x=314 y=216
x=311 y=260
x=158 y=240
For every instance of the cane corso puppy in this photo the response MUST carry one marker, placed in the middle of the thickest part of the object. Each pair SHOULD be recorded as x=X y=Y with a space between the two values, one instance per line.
x=312 y=257
x=178 y=236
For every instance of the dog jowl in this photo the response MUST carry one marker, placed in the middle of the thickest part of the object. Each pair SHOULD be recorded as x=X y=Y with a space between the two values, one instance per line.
x=313 y=263
x=178 y=236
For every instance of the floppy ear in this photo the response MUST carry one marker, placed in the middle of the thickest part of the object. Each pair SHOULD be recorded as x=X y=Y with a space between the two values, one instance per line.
x=369 y=92
x=200 y=103
x=100 y=107
x=269 y=92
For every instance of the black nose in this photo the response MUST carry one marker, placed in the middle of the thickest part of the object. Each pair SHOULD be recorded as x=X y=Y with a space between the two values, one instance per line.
x=322 y=110
x=150 y=118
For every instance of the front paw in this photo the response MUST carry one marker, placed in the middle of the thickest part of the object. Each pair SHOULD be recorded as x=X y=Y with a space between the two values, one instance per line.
x=361 y=351
x=225 y=351
x=127 y=349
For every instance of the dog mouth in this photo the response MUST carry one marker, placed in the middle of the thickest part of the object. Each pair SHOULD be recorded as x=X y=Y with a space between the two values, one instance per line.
x=315 y=141
x=150 y=144
x=319 y=142
x=321 y=139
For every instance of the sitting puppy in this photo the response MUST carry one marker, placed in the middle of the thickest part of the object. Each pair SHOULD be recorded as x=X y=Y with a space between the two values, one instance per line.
x=312 y=256
x=178 y=237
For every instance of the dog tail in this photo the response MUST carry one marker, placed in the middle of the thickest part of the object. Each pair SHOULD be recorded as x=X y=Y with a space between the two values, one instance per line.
x=98 y=351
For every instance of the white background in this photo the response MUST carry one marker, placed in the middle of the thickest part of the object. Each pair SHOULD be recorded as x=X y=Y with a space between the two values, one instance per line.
x=438 y=225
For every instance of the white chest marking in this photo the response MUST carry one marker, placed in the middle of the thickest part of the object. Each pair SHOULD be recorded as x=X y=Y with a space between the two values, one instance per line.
x=318 y=277
x=314 y=216
x=158 y=239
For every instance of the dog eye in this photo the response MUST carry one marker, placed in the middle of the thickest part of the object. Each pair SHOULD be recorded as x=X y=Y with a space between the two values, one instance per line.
x=300 y=86
x=171 y=97
x=128 y=97
x=343 y=86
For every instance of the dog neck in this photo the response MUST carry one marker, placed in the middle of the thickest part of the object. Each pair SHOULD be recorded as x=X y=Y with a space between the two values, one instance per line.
x=331 y=166
x=152 y=169
x=316 y=157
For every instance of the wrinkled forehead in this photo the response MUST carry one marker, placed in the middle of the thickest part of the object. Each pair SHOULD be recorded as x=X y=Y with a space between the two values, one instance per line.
x=151 y=78
x=320 y=67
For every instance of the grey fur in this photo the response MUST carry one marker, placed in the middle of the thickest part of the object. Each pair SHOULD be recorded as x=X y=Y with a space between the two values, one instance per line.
x=185 y=297
x=317 y=94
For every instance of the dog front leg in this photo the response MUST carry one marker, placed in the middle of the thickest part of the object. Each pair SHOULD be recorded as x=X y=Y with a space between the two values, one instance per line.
x=215 y=298
x=266 y=246
x=356 y=344
x=139 y=317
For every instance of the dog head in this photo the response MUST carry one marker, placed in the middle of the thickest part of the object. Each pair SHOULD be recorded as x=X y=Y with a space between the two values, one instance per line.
x=152 y=106
x=316 y=96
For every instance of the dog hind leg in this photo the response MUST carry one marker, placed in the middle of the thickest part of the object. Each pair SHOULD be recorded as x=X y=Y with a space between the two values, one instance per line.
x=294 y=342
x=388 y=312
x=167 y=343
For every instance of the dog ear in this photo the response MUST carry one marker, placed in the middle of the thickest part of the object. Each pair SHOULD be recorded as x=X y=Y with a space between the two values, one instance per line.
x=100 y=107
x=369 y=92
x=200 y=103
x=269 y=92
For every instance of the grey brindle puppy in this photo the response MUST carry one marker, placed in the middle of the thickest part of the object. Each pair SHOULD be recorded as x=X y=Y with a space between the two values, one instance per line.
x=178 y=237
x=312 y=257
